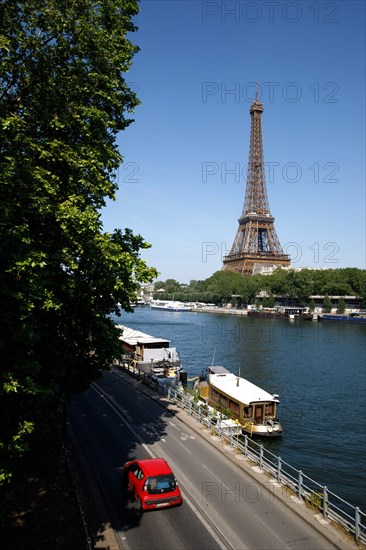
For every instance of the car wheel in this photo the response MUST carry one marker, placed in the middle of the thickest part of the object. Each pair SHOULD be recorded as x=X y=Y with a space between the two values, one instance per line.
x=139 y=507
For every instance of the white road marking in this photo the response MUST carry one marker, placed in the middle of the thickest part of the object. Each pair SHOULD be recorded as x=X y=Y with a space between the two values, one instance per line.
x=273 y=532
x=183 y=435
x=215 y=476
x=204 y=522
x=173 y=425
x=185 y=448
x=125 y=422
x=150 y=430
x=190 y=499
x=126 y=414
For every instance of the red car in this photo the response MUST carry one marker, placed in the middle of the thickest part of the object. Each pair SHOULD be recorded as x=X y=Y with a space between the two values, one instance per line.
x=151 y=483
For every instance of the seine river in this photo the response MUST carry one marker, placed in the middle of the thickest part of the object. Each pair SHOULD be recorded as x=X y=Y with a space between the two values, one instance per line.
x=317 y=368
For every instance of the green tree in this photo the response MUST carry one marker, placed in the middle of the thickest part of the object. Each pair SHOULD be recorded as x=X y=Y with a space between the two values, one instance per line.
x=278 y=282
x=361 y=290
x=269 y=301
x=251 y=285
x=197 y=286
x=327 y=304
x=172 y=286
x=226 y=283
x=158 y=285
x=64 y=98
x=303 y=285
x=341 y=305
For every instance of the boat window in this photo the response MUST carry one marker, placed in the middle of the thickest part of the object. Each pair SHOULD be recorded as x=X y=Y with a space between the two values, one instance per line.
x=224 y=401
x=215 y=395
x=269 y=410
x=234 y=407
x=248 y=412
x=258 y=412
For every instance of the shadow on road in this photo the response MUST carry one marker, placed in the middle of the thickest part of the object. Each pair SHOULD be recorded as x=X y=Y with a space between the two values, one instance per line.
x=110 y=425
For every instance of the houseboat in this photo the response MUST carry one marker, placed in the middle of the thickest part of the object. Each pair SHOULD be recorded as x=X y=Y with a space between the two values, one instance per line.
x=299 y=313
x=266 y=313
x=254 y=408
x=148 y=354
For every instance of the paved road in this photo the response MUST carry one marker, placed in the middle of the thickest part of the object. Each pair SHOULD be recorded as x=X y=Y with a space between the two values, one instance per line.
x=108 y=443
x=223 y=506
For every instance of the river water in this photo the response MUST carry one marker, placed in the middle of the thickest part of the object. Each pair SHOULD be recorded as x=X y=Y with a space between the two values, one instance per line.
x=317 y=368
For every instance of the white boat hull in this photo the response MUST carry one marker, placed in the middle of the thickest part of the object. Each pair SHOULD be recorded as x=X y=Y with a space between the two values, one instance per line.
x=169 y=305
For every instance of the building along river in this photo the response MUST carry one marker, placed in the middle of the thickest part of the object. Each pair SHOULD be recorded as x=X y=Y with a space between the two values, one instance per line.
x=317 y=368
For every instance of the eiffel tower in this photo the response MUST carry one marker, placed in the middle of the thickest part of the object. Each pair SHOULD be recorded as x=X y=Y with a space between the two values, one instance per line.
x=256 y=243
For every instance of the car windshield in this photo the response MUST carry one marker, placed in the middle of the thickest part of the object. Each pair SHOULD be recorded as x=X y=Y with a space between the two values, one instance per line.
x=160 y=484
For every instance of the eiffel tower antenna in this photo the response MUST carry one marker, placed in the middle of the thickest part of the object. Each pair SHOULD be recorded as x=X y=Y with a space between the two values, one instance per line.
x=256 y=243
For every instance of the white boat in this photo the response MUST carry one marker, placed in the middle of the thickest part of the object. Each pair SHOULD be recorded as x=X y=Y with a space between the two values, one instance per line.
x=148 y=354
x=254 y=408
x=169 y=305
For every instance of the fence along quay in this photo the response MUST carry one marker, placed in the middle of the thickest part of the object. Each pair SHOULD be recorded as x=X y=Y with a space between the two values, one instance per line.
x=331 y=506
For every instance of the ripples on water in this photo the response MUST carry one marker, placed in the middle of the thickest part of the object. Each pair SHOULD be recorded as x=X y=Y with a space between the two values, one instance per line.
x=318 y=369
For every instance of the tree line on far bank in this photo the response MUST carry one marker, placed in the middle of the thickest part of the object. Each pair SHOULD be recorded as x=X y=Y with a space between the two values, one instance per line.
x=230 y=287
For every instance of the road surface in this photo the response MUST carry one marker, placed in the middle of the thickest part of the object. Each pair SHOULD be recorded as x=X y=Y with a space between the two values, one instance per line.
x=223 y=506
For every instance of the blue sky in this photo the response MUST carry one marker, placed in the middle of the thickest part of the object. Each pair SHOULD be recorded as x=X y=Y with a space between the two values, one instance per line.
x=182 y=184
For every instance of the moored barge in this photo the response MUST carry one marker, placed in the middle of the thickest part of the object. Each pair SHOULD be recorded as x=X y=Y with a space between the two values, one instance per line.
x=254 y=408
x=351 y=318
x=148 y=354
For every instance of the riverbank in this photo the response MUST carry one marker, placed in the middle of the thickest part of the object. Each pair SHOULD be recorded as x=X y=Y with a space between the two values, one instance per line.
x=220 y=310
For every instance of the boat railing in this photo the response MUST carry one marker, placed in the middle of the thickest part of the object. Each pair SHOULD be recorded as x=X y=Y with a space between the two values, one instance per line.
x=298 y=487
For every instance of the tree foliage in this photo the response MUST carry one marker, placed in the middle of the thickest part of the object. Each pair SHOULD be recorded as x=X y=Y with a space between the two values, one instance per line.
x=341 y=305
x=222 y=286
x=327 y=304
x=63 y=100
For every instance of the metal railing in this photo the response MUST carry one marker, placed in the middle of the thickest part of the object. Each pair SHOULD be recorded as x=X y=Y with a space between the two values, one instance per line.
x=319 y=497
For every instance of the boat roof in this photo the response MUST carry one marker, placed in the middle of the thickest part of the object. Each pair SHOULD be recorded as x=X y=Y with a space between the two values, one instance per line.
x=135 y=337
x=246 y=392
x=217 y=369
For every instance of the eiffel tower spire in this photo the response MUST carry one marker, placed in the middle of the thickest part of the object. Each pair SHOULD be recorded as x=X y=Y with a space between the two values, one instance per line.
x=256 y=243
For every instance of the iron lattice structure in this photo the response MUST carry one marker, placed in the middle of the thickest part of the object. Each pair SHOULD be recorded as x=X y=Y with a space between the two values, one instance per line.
x=256 y=243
